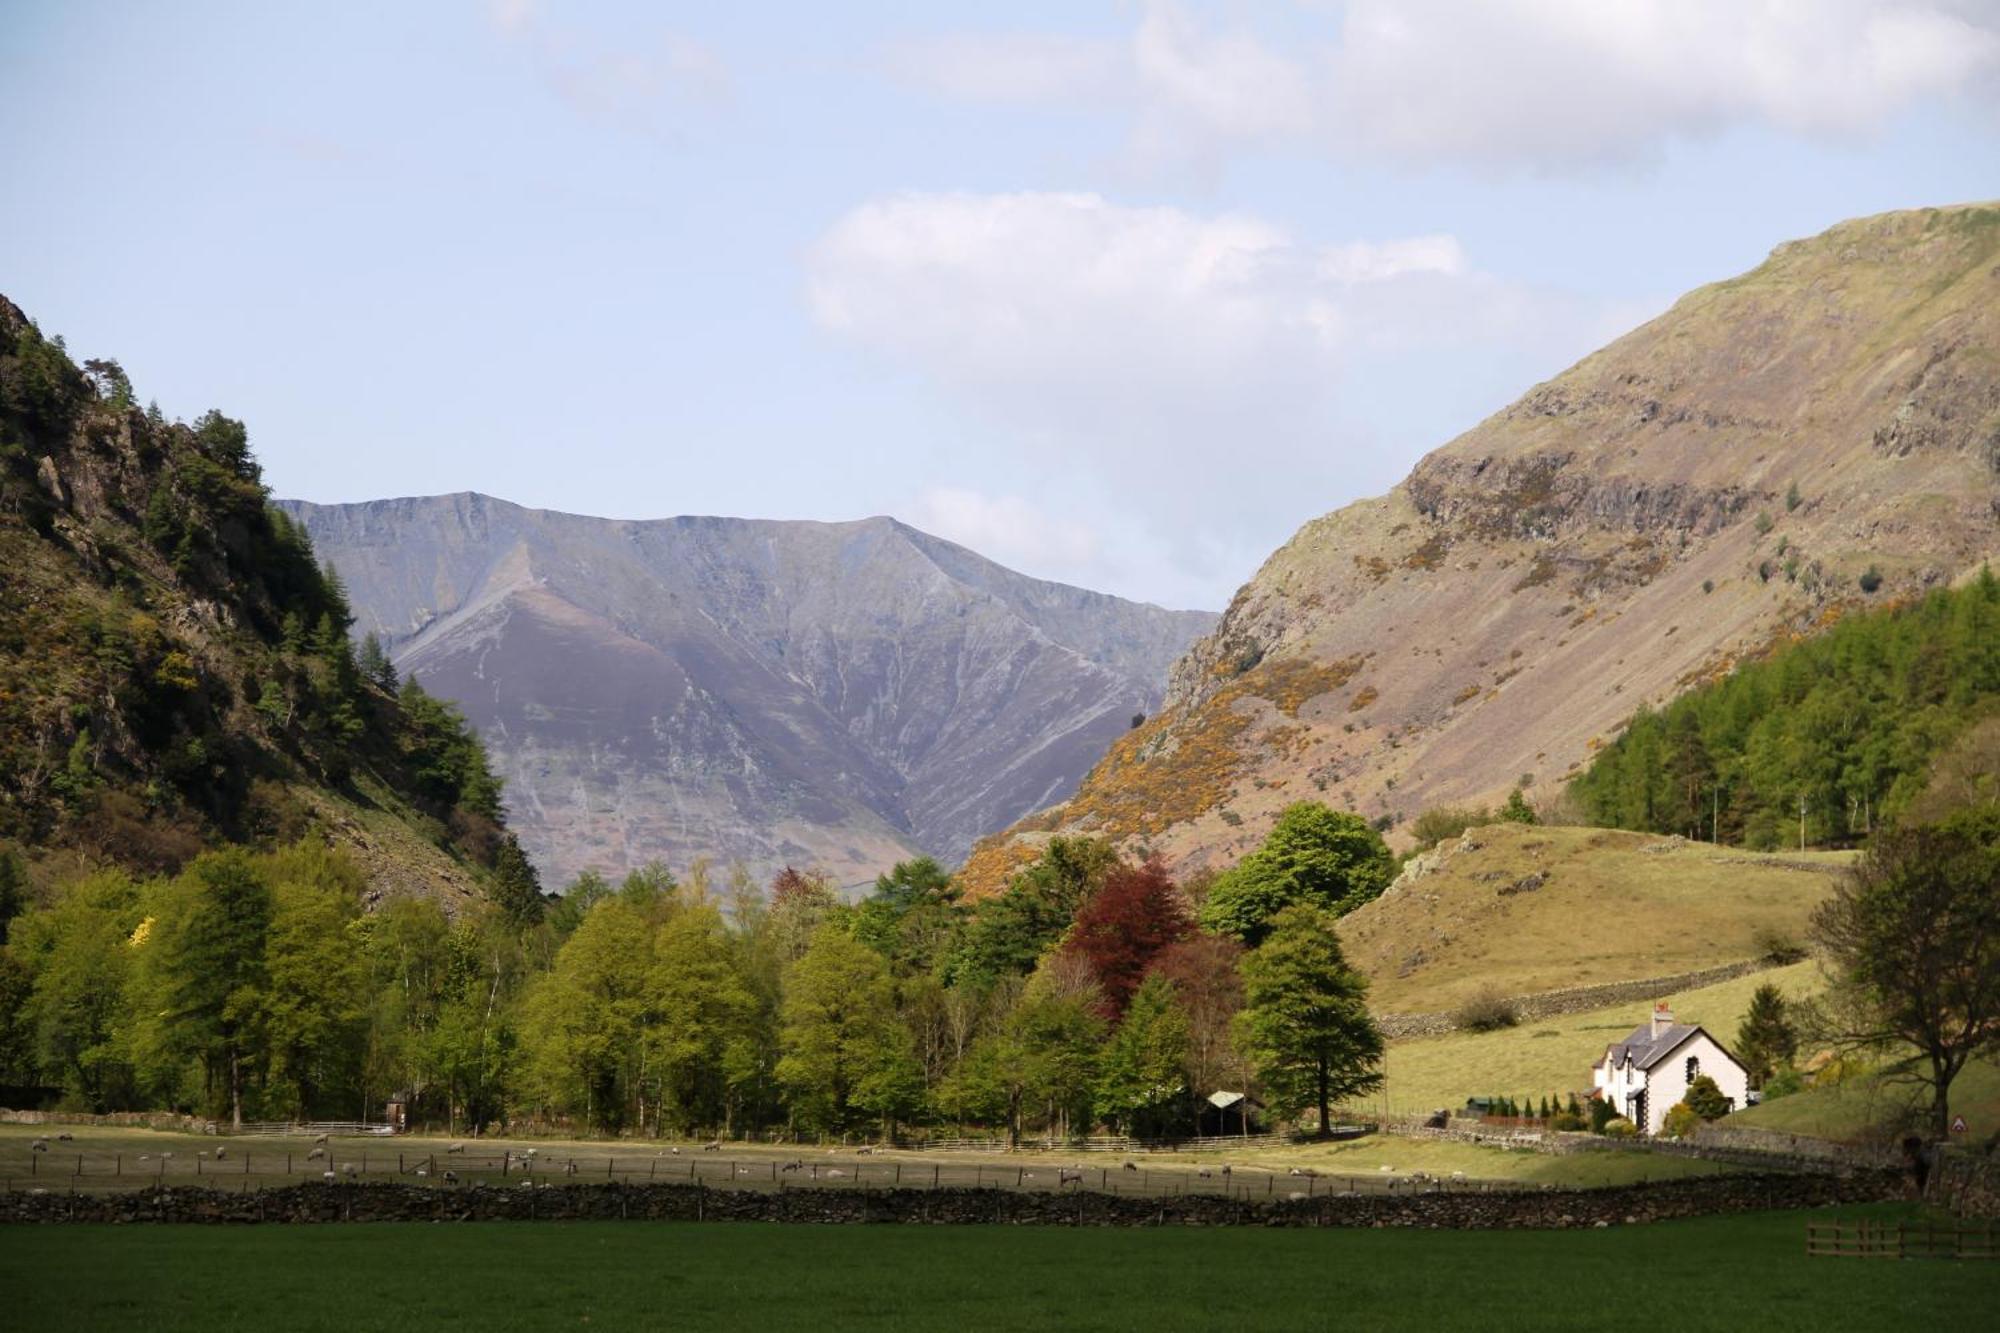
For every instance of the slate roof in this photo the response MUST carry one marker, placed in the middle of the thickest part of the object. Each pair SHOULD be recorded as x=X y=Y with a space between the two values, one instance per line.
x=1645 y=1050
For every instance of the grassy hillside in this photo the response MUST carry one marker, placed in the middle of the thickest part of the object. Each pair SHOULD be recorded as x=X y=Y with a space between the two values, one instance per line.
x=1872 y=1107
x=1526 y=909
x=1555 y=1054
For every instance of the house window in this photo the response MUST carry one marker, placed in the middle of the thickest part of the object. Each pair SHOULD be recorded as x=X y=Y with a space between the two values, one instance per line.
x=1693 y=1069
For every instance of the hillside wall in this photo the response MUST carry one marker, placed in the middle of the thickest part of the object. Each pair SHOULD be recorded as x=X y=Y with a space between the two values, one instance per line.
x=688 y=1203
x=1574 y=1000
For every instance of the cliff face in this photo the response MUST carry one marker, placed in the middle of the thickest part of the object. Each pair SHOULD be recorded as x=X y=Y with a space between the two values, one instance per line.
x=831 y=694
x=1729 y=473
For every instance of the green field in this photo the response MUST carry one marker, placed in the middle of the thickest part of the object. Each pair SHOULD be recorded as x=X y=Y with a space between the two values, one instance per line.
x=1871 y=1108
x=1721 y=1273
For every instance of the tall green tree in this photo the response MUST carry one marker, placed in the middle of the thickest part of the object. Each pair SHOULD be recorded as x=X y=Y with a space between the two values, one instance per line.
x=1305 y=1023
x=1913 y=938
x=845 y=1052
x=1766 y=1038
x=215 y=971
x=1142 y=1083
x=1333 y=860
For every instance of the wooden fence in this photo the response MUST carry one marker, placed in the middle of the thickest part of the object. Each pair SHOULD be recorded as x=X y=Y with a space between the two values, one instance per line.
x=1901 y=1240
x=295 y=1129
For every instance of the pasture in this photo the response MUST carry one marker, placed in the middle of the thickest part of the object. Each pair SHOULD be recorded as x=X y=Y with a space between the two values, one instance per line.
x=1548 y=1055
x=1725 y=1273
x=100 y=1158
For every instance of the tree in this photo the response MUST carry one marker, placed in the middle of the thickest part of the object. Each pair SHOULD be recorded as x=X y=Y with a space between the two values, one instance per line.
x=77 y=955
x=1517 y=810
x=1705 y=1099
x=1143 y=1072
x=375 y=664
x=1331 y=860
x=1209 y=988
x=1305 y=1022
x=702 y=1008
x=215 y=970
x=585 y=1022
x=516 y=889
x=844 y=1048
x=313 y=1019
x=1766 y=1038
x=1912 y=936
x=1125 y=925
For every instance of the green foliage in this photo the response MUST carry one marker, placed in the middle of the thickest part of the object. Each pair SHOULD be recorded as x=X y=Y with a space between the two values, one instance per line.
x=1680 y=1121
x=1327 y=859
x=844 y=1053
x=1766 y=1039
x=1517 y=810
x=1305 y=1024
x=1618 y=1127
x=1850 y=719
x=1143 y=1077
x=1705 y=1099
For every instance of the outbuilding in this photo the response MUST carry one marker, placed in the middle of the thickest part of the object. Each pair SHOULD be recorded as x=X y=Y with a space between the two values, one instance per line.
x=1644 y=1075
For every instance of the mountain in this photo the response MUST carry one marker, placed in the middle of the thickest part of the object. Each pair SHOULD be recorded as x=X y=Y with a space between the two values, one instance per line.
x=1820 y=433
x=840 y=695
x=174 y=669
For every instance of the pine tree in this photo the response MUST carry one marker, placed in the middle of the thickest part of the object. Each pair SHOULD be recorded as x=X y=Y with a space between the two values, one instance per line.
x=516 y=888
x=1766 y=1040
x=375 y=664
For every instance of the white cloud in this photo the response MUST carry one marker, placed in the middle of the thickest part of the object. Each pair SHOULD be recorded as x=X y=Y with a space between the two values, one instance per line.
x=1175 y=361
x=1550 y=85
x=1019 y=68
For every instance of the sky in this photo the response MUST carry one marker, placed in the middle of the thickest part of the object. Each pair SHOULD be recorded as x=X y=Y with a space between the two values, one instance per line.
x=1118 y=294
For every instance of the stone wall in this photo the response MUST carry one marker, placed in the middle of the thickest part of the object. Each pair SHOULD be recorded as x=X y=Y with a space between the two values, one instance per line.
x=167 y=1120
x=1967 y=1182
x=1440 y=1208
x=1575 y=1000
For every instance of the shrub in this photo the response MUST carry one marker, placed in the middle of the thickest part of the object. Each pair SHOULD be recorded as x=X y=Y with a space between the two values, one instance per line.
x=1445 y=822
x=1871 y=580
x=1681 y=1121
x=1783 y=1083
x=1705 y=1099
x=1618 y=1127
x=1486 y=1011
x=1601 y=1114
x=1776 y=946
x=1708 y=585
x=1764 y=524
x=1569 y=1121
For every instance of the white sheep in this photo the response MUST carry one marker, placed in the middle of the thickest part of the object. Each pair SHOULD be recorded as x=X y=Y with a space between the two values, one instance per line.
x=451 y=1177
x=319 y=1138
x=315 y=1154
x=327 y=1176
x=455 y=1147
x=350 y=1170
x=39 y=1145
x=221 y=1154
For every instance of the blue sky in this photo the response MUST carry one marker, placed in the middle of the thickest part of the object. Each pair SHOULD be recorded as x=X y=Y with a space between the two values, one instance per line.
x=1116 y=294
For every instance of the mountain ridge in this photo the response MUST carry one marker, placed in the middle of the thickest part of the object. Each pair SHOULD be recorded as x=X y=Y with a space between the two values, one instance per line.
x=839 y=693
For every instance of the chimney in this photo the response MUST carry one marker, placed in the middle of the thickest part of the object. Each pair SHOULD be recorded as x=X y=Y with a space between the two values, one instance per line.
x=1663 y=1018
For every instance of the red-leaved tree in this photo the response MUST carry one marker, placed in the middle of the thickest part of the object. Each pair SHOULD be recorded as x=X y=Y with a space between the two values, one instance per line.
x=1209 y=988
x=1125 y=925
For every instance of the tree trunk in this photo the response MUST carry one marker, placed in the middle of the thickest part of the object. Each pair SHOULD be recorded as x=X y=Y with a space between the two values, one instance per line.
x=1325 y=1112
x=235 y=1090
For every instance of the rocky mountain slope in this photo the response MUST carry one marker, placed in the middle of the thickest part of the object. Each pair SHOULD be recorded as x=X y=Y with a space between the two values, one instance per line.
x=1819 y=433
x=830 y=694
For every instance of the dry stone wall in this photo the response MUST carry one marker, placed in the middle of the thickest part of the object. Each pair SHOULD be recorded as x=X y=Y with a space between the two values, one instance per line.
x=1574 y=1000
x=690 y=1203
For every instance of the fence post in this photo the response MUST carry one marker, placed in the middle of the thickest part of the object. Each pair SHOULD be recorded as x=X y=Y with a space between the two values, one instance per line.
x=934 y=1175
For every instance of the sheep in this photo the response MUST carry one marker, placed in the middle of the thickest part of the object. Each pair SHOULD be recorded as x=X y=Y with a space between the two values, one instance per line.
x=327 y=1176
x=1204 y=1173
x=451 y=1177
x=166 y=1157
x=674 y=1152
x=319 y=1138
x=1225 y=1170
x=422 y=1172
x=1065 y=1176
x=531 y=1152
x=569 y=1169
x=527 y=1184
x=455 y=1147
x=863 y=1151
x=145 y=1157
x=713 y=1145
x=793 y=1166
x=221 y=1153
x=315 y=1154
x=1131 y=1166
x=39 y=1145
x=65 y=1137
x=350 y=1170
x=1296 y=1194
x=834 y=1173
x=1304 y=1171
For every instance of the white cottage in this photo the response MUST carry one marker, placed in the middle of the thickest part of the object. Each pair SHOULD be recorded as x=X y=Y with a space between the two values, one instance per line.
x=1644 y=1075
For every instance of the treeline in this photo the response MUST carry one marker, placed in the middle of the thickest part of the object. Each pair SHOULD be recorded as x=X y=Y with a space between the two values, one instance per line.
x=1843 y=727
x=1089 y=993
x=175 y=664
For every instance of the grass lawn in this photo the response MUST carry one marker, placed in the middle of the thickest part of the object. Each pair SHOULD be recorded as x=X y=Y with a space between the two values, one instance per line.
x=1613 y=906
x=1551 y=1055
x=1718 y=1273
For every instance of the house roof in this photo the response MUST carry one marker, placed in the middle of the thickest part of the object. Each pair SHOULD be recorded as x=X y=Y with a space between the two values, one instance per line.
x=1645 y=1050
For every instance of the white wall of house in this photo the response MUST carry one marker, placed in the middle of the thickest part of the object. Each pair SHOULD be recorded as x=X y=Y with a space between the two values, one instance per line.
x=1666 y=1083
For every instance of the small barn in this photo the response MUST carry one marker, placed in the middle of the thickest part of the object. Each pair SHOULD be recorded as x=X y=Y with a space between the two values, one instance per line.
x=1646 y=1073
x=1229 y=1113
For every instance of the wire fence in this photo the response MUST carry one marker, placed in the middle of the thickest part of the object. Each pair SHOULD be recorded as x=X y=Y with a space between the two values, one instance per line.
x=244 y=1166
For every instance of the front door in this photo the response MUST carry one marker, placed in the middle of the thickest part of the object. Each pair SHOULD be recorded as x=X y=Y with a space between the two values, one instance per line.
x=1639 y=1109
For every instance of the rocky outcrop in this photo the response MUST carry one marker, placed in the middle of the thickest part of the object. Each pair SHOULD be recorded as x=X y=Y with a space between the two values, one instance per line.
x=1722 y=476
x=840 y=695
